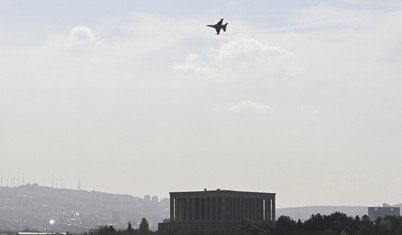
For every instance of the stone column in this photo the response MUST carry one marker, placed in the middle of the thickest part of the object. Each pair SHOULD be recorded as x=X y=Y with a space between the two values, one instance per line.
x=237 y=206
x=171 y=209
x=207 y=207
x=244 y=208
x=193 y=209
x=204 y=208
x=212 y=209
x=200 y=208
x=255 y=209
x=227 y=209
x=248 y=208
x=268 y=216
x=188 y=216
x=176 y=209
x=258 y=209
x=240 y=207
x=233 y=209
x=273 y=209
x=251 y=209
x=234 y=212
x=216 y=217
x=250 y=204
x=223 y=208
x=180 y=210
x=230 y=208
x=218 y=208
x=183 y=209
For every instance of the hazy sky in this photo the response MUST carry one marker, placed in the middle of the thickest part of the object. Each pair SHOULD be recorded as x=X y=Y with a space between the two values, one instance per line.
x=299 y=98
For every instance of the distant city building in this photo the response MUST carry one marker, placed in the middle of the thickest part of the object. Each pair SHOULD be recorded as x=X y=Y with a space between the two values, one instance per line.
x=376 y=212
x=147 y=198
x=155 y=199
x=216 y=210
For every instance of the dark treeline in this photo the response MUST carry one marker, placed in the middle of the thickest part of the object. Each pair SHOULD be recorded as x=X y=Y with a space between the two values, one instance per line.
x=143 y=229
x=333 y=224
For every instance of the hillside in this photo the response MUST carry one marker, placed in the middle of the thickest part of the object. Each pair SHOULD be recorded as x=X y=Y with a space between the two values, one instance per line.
x=33 y=206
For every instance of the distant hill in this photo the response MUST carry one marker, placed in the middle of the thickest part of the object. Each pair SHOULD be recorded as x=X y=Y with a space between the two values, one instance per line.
x=32 y=207
x=304 y=213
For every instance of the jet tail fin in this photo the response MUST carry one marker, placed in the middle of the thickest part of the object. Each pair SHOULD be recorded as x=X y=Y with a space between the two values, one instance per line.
x=224 y=27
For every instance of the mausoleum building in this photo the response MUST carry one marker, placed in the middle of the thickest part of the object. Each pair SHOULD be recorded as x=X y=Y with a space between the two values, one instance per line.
x=217 y=209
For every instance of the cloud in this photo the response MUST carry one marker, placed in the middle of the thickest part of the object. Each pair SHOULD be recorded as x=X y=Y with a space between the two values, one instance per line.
x=248 y=106
x=83 y=34
x=193 y=64
x=247 y=49
x=237 y=58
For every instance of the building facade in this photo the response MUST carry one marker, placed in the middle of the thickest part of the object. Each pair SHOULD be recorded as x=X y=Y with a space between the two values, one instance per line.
x=217 y=209
x=382 y=212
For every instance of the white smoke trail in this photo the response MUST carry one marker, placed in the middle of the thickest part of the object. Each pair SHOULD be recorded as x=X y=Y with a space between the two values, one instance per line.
x=311 y=25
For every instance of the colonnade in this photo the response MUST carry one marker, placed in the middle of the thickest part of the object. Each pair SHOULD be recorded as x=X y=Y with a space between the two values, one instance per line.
x=204 y=207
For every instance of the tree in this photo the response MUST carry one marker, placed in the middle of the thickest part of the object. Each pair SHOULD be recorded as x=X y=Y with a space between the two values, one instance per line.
x=144 y=227
x=315 y=223
x=285 y=225
x=106 y=231
x=130 y=229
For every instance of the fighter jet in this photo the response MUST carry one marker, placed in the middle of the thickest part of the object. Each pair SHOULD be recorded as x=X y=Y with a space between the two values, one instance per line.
x=218 y=26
